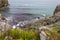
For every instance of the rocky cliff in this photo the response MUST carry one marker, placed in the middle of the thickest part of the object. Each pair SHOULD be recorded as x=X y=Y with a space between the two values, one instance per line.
x=57 y=9
x=3 y=3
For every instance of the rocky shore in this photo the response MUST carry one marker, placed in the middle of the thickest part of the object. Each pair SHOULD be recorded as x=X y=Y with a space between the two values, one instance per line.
x=48 y=20
x=37 y=22
x=40 y=25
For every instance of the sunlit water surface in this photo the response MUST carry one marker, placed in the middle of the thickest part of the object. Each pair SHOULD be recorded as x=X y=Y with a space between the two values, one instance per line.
x=20 y=10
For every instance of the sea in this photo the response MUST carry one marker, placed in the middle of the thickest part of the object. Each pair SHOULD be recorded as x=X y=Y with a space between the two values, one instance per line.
x=21 y=10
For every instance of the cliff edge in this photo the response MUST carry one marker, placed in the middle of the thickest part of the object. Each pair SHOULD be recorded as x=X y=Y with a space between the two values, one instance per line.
x=57 y=9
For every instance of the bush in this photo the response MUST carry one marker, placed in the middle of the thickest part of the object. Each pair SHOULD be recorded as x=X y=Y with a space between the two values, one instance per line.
x=30 y=35
x=17 y=34
x=14 y=33
x=27 y=35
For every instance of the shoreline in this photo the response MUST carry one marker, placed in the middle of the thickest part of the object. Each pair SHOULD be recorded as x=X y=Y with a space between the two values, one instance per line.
x=37 y=25
x=39 y=22
x=46 y=21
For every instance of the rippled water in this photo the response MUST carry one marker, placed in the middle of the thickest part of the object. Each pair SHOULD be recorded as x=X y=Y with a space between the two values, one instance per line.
x=28 y=9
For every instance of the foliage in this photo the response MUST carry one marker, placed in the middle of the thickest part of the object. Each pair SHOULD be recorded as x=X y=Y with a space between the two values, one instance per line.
x=18 y=34
x=14 y=33
x=29 y=35
x=1 y=35
x=54 y=34
x=56 y=28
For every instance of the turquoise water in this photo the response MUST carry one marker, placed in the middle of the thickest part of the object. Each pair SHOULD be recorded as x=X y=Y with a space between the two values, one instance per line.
x=27 y=9
x=35 y=7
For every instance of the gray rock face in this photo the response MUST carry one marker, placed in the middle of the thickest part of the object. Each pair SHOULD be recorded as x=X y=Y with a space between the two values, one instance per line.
x=57 y=9
x=4 y=25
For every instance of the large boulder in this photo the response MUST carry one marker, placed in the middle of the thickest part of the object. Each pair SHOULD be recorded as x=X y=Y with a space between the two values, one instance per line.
x=57 y=9
x=3 y=3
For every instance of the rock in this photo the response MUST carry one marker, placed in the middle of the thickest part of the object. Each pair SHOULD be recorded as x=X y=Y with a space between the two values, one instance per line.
x=43 y=35
x=44 y=22
x=4 y=25
x=3 y=3
x=2 y=18
x=57 y=9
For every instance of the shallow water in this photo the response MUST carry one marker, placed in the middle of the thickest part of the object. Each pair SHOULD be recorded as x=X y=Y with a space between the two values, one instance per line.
x=19 y=10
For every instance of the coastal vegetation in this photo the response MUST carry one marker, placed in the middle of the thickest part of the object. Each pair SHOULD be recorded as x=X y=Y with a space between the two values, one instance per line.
x=54 y=34
x=17 y=34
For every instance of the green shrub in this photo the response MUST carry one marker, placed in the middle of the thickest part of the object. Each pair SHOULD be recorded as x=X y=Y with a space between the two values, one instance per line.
x=27 y=35
x=14 y=33
x=17 y=34
x=30 y=35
